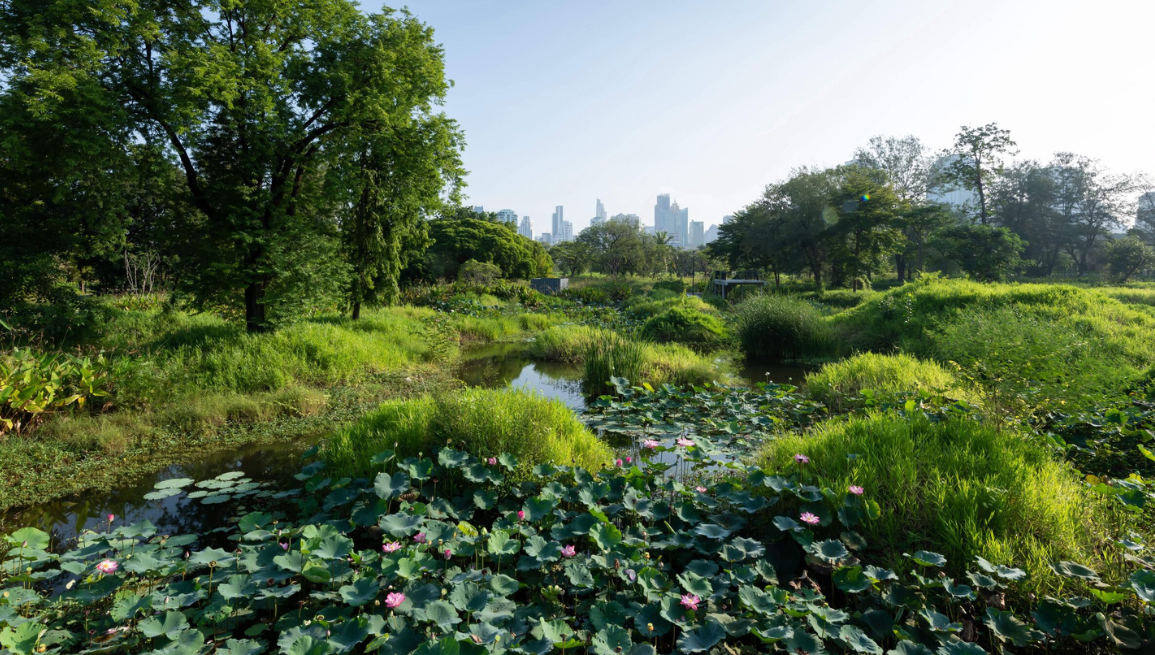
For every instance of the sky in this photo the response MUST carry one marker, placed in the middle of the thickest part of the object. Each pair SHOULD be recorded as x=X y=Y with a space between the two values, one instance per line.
x=565 y=101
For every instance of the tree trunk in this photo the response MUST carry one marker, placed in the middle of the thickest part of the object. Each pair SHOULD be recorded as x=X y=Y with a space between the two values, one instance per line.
x=255 y=307
x=900 y=268
x=357 y=310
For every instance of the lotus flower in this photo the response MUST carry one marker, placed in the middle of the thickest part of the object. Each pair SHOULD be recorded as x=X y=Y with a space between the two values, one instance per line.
x=568 y=551
x=801 y=459
x=391 y=547
x=111 y=518
x=651 y=443
x=419 y=537
x=690 y=601
x=492 y=461
x=107 y=567
x=448 y=554
x=521 y=515
x=684 y=442
x=856 y=490
x=629 y=460
x=618 y=463
x=700 y=489
x=807 y=517
x=284 y=546
x=393 y=599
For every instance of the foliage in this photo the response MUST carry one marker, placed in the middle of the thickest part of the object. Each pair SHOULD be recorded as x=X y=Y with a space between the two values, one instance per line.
x=33 y=385
x=988 y=254
x=841 y=384
x=628 y=560
x=1128 y=257
x=684 y=325
x=955 y=487
x=977 y=160
x=258 y=106
x=475 y=273
x=772 y=328
x=652 y=305
x=481 y=421
x=457 y=241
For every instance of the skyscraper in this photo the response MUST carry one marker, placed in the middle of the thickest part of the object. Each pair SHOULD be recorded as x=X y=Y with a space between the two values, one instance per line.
x=526 y=229
x=697 y=237
x=556 y=226
x=711 y=235
x=507 y=216
x=600 y=213
x=673 y=220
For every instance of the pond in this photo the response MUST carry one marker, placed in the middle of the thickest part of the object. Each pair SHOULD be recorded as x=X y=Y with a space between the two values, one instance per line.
x=491 y=366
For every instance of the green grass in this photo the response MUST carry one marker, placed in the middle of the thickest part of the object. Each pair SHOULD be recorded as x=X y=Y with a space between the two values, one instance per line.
x=840 y=384
x=661 y=301
x=605 y=353
x=483 y=422
x=684 y=325
x=959 y=489
x=774 y=328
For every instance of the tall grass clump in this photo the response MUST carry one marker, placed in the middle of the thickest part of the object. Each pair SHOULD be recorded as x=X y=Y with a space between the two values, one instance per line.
x=658 y=302
x=684 y=325
x=957 y=488
x=484 y=422
x=775 y=328
x=566 y=343
x=612 y=356
x=839 y=384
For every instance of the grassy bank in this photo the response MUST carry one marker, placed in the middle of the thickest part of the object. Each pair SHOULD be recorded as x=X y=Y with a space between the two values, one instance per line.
x=187 y=383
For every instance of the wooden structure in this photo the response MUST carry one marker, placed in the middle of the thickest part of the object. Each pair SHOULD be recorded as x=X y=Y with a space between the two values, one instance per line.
x=549 y=285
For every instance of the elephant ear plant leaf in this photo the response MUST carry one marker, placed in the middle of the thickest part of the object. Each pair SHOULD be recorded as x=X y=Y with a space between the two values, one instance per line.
x=624 y=561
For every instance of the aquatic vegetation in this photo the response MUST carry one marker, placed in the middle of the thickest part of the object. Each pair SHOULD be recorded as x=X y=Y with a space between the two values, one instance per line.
x=956 y=487
x=481 y=421
x=686 y=326
x=627 y=560
x=772 y=328
x=840 y=385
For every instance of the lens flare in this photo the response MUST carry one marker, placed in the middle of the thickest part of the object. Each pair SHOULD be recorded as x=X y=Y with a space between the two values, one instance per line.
x=865 y=197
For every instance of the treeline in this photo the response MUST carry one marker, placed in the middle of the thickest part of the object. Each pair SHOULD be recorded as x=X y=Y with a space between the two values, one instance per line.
x=621 y=246
x=897 y=207
x=254 y=159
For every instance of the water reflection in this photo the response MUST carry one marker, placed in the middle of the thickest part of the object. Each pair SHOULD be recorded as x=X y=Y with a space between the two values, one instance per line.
x=776 y=373
x=505 y=365
x=67 y=517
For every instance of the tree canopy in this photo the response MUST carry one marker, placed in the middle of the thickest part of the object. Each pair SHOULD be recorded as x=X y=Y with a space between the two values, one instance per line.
x=455 y=241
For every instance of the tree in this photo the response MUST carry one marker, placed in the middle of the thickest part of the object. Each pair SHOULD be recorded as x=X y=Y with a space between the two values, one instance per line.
x=571 y=257
x=903 y=160
x=977 y=160
x=1128 y=257
x=984 y=252
x=456 y=241
x=398 y=181
x=1145 y=216
x=918 y=226
x=864 y=235
x=1092 y=202
x=618 y=246
x=1026 y=200
x=255 y=101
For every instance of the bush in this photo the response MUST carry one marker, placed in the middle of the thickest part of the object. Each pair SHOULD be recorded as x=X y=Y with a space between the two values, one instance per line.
x=684 y=325
x=478 y=273
x=483 y=422
x=839 y=384
x=774 y=328
x=676 y=286
x=643 y=307
x=956 y=488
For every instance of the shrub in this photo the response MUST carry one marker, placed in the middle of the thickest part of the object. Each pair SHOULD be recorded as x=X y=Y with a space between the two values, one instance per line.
x=478 y=273
x=956 y=488
x=839 y=384
x=773 y=328
x=483 y=422
x=676 y=286
x=642 y=307
x=684 y=325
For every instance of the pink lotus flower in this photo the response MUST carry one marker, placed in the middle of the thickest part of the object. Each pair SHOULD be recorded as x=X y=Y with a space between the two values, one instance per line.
x=107 y=567
x=111 y=518
x=568 y=551
x=618 y=463
x=284 y=546
x=391 y=547
x=801 y=459
x=419 y=537
x=521 y=515
x=700 y=489
x=492 y=461
x=856 y=490
x=807 y=517
x=651 y=443
x=393 y=599
x=690 y=601
x=448 y=554
x=684 y=442
x=629 y=460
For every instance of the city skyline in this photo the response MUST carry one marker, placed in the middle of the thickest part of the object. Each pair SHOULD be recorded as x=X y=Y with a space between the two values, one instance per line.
x=620 y=101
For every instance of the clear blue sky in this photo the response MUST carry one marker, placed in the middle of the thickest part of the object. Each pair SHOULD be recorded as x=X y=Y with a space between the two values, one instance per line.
x=563 y=102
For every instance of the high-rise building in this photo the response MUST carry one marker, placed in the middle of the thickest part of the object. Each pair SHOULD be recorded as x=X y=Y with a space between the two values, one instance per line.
x=711 y=235
x=697 y=234
x=957 y=197
x=545 y=237
x=507 y=216
x=478 y=209
x=600 y=213
x=566 y=232
x=727 y=218
x=673 y=220
x=556 y=224
x=637 y=220
x=526 y=229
